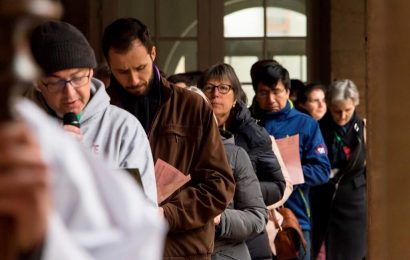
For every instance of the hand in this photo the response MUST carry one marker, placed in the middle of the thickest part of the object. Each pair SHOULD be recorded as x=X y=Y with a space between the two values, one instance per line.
x=217 y=220
x=74 y=131
x=24 y=185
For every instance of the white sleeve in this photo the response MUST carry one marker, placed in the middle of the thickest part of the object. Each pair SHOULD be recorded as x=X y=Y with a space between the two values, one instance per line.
x=98 y=213
x=59 y=244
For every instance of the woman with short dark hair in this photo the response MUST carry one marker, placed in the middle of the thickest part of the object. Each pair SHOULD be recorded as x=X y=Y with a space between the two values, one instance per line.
x=311 y=99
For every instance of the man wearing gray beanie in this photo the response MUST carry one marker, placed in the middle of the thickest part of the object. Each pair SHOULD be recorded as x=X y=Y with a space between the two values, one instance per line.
x=68 y=86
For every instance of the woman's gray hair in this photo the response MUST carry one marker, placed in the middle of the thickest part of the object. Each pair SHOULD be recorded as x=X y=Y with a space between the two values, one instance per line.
x=341 y=90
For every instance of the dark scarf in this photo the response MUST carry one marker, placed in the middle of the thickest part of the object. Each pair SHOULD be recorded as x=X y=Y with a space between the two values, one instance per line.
x=346 y=148
x=143 y=107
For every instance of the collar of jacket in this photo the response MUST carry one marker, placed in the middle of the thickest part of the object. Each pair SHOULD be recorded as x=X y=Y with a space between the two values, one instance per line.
x=159 y=88
x=281 y=114
x=240 y=114
x=226 y=136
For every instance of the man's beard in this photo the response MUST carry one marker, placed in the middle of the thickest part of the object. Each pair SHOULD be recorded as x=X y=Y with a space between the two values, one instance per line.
x=145 y=84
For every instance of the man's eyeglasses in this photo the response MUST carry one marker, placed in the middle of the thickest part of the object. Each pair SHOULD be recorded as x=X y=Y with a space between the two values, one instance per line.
x=76 y=82
x=222 y=88
x=276 y=92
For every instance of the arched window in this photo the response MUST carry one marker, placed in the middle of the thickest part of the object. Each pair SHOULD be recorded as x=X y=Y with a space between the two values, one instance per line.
x=265 y=29
x=192 y=35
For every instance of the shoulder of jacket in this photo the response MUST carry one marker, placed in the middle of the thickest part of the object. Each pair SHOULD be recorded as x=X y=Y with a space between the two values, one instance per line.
x=255 y=134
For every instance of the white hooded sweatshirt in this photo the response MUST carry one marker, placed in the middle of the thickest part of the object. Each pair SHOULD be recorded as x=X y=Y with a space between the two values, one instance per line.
x=97 y=213
x=114 y=134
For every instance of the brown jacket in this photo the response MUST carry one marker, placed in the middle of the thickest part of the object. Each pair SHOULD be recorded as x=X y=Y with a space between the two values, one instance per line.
x=185 y=135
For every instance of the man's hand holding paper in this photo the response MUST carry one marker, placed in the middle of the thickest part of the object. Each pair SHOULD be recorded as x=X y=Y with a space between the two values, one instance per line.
x=169 y=179
x=289 y=150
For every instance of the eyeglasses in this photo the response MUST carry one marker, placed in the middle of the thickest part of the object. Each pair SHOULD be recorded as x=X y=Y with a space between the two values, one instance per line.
x=222 y=88
x=76 y=82
x=276 y=92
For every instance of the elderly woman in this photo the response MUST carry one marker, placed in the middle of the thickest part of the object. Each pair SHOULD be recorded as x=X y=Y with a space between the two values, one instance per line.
x=221 y=85
x=341 y=218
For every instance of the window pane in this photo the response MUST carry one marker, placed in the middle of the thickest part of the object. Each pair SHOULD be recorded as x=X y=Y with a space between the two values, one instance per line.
x=243 y=47
x=241 y=54
x=242 y=66
x=140 y=9
x=244 y=23
x=176 y=56
x=285 y=22
x=285 y=47
x=180 y=22
x=295 y=64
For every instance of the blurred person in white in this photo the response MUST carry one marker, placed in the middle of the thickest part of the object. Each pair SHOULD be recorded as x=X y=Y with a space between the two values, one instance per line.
x=65 y=202
x=67 y=59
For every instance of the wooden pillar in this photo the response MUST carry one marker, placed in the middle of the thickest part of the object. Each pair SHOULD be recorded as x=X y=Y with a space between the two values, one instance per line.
x=388 y=93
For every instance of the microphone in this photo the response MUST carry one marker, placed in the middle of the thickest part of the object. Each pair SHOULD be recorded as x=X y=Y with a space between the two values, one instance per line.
x=70 y=118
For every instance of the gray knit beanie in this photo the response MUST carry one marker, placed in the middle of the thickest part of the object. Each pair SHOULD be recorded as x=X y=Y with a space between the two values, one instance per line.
x=58 y=46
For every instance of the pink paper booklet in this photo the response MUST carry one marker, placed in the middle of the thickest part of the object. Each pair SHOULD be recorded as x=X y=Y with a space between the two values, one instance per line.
x=289 y=149
x=169 y=179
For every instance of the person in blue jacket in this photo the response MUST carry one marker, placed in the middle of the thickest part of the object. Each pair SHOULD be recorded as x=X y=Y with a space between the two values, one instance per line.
x=277 y=114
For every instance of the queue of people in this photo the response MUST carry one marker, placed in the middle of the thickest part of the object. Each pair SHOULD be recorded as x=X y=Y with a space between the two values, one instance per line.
x=93 y=209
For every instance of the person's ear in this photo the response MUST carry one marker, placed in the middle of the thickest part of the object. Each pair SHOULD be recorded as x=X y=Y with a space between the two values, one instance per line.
x=234 y=103
x=153 y=53
x=36 y=85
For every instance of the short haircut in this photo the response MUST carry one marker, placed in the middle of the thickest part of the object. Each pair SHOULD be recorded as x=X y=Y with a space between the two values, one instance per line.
x=341 y=90
x=221 y=71
x=269 y=73
x=120 y=34
x=295 y=86
x=303 y=93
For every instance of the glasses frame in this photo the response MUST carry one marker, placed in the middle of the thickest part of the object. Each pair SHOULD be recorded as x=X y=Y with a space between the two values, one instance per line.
x=218 y=87
x=58 y=89
x=275 y=92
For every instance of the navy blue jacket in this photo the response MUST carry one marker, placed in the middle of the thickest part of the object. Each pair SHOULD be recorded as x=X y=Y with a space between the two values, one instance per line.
x=313 y=155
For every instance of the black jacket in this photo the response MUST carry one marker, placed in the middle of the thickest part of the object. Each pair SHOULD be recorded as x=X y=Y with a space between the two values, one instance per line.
x=339 y=211
x=257 y=143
